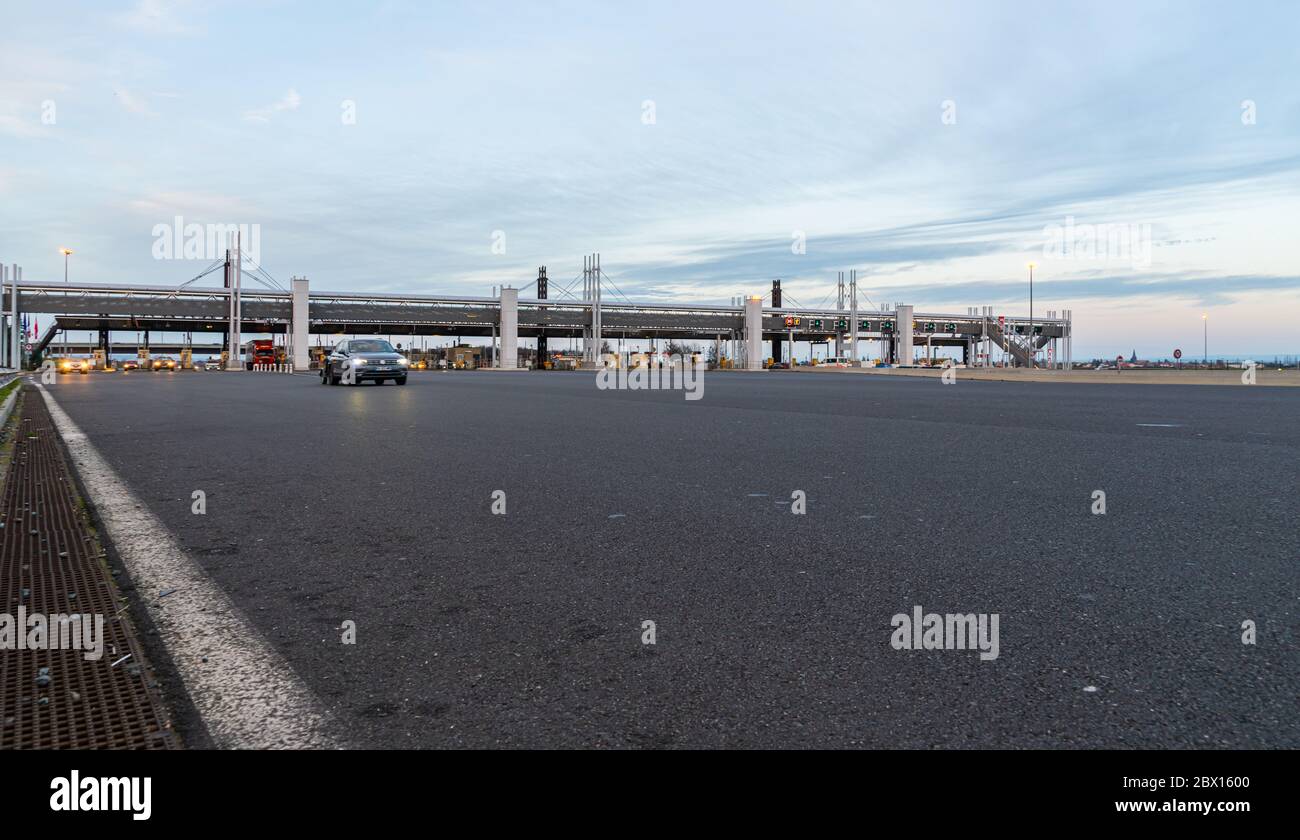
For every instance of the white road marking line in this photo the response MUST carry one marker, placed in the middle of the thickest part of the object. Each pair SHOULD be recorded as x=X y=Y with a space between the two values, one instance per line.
x=247 y=695
x=1162 y=425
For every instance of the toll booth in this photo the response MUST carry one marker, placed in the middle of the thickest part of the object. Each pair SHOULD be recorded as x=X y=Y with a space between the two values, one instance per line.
x=187 y=358
x=100 y=359
x=143 y=355
x=465 y=357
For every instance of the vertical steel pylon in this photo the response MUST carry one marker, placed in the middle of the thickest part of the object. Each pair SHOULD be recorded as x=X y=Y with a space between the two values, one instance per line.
x=853 y=317
x=591 y=294
x=233 y=282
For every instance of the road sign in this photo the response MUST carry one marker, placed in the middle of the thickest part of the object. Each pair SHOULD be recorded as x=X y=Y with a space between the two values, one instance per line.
x=1178 y=354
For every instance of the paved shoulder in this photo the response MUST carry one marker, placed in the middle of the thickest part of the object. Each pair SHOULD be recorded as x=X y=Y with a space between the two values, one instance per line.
x=245 y=692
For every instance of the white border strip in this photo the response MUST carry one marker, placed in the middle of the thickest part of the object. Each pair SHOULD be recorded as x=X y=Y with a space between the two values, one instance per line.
x=247 y=695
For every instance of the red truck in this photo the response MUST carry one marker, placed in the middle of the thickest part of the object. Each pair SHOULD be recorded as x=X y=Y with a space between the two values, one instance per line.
x=259 y=351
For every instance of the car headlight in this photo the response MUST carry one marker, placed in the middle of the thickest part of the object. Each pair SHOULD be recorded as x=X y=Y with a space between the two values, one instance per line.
x=404 y=362
x=358 y=362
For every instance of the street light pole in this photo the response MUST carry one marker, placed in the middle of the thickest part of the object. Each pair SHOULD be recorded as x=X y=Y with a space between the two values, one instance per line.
x=1205 y=352
x=66 y=253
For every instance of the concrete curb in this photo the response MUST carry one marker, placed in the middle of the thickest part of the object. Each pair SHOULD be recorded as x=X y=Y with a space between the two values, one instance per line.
x=8 y=407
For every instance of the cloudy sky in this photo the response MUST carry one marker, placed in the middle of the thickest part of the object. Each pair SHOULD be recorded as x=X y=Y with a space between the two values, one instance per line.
x=1145 y=155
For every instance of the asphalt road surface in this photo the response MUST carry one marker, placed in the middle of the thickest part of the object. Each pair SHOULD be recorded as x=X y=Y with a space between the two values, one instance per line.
x=373 y=504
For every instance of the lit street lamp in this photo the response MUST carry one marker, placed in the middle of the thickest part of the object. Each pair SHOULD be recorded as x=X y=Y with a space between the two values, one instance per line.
x=67 y=252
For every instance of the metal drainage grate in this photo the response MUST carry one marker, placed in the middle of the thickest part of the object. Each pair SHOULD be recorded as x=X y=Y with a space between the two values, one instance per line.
x=50 y=564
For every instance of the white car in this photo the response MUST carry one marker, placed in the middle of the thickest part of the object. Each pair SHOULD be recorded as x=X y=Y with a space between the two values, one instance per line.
x=212 y=364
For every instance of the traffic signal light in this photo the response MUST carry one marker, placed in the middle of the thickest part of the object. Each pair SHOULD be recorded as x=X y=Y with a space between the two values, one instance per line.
x=817 y=323
x=789 y=320
x=1020 y=329
x=886 y=326
x=841 y=325
x=864 y=325
x=1038 y=330
x=929 y=326
x=950 y=327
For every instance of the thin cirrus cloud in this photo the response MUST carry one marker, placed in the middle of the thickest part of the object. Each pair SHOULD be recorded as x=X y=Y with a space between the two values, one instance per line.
x=133 y=102
x=289 y=102
x=160 y=18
